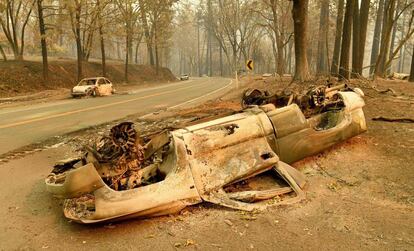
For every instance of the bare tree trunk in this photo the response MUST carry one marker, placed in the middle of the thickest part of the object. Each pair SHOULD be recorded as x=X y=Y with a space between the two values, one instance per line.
x=43 y=40
x=322 y=61
x=2 y=53
x=210 y=59
x=411 y=79
x=338 y=36
x=136 y=52
x=377 y=36
x=127 y=41
x=207 y=55
x=146 y=33
x=401 y=60
x=130 y=49
x=402 y=54
x=274 y=50
x=355 y=39
x=118 y=50
x=221 y=61
x=198 y=49
x=78 y=42
x=394 y=33
x=346 y=40
x=380 y=66
x=300 y=19
x=209 y=34
x=103 y=56
x=289 y=57
x=101 y=38
x=180 y=60
x=280 y=59
x=157 y=62
x=363 y=20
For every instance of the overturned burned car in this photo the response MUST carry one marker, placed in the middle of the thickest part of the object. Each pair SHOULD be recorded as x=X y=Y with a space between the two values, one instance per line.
x=125 y=176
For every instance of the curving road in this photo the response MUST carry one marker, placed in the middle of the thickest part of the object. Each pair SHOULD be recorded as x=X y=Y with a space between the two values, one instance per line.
x=20 y=126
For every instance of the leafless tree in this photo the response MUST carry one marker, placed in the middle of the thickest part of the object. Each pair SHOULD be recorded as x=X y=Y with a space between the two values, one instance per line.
x=14 y=17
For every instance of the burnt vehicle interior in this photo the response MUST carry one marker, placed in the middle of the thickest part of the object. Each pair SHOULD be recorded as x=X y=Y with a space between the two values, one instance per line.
x=321 y=105
x=120 y=159
x=90 y=81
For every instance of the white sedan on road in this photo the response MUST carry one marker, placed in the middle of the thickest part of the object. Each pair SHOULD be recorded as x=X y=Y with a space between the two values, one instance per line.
x=98 y=86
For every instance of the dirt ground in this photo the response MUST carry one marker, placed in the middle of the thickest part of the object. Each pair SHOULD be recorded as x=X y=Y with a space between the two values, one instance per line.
x=359 y=196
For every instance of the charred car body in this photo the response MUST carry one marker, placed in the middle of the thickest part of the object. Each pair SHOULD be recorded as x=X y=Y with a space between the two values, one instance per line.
x=98 y=86
x=123 y=176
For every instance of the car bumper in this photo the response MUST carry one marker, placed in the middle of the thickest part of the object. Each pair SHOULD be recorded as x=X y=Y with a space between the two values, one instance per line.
x=78 y=94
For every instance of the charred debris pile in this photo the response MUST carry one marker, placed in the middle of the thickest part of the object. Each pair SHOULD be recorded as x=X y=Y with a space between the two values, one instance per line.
x=311 y=100
x=122 y=158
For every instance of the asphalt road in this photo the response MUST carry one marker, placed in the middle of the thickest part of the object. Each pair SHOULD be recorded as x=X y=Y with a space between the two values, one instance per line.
x=21 y=126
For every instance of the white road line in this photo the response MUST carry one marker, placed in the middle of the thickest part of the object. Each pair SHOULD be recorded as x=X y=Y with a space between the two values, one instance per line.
x=205 y=95
x=191 y=100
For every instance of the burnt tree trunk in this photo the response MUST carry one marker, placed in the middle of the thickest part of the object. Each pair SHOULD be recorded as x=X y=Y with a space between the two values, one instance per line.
x=380 y=65
x=290 y=57
x=377 y=36
x=280 y=59
x=136 y=52
x=148 y=39
x=221 y=61
x=101 y=38
x=2 y=53
x=322 y=61
x=346 y=40
x=300 y=19
x=363 y=20
x=78 y=42
x=130 y=53
x=127 y=45
x=355 y=39
x=157 y=61
x=103 y=56
x=338 y=37
x=394 y=34
x=43 y=40
x=411 y=79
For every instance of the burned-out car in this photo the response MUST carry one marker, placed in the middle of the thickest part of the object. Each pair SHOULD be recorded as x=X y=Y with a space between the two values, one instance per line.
x=125 y=176
x=97 y=86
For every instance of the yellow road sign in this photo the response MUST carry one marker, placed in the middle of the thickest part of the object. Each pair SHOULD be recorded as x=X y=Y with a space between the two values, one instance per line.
x=249 y=64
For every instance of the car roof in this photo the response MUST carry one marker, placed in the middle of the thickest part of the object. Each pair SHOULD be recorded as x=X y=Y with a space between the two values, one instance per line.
x=93 y=78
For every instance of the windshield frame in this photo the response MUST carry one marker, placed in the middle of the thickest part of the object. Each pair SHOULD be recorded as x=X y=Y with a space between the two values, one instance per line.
x=87 y=82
